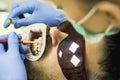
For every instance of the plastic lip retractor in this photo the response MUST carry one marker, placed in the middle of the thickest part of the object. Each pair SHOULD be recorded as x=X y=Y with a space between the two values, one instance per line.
x=37 y=50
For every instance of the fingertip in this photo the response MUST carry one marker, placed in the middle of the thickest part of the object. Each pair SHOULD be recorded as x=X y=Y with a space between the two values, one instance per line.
x=13 y=34
x=19 y=37
x=13 y=37
x=5 y=25
x=17 y=25
x=23 y=48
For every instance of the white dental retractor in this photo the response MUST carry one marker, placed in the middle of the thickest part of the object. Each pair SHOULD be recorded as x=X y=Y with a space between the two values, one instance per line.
x=41 y=47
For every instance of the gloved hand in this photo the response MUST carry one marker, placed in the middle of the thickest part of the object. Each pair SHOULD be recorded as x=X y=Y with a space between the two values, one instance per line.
x=11 y=63
x=40 y=13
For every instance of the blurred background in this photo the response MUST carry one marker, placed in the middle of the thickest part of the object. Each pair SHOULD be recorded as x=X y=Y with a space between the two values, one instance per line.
x=5 y=5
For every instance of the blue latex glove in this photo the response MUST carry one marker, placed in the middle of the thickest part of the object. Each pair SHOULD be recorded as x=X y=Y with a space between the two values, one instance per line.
x=11 y=63
x=40 y=13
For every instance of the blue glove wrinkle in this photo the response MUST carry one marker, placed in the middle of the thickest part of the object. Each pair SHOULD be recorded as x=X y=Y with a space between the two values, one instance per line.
x=15 y=5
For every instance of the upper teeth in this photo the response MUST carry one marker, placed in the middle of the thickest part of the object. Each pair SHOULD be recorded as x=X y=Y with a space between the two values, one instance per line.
x=36 y=47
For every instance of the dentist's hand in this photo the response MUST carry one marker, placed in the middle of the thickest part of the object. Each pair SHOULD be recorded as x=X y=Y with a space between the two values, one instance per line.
x=40 y=13
x=11 y=63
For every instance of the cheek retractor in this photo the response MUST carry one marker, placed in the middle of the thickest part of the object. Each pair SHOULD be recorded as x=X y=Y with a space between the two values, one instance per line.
x=36 y=33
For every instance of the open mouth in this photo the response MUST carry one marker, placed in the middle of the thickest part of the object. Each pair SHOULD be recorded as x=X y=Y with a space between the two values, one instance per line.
x=36 y=33
x=37 y=37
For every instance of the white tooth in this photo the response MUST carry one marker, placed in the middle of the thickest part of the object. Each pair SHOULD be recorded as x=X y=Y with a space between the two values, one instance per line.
x=34 y=45
x=34 y=49
x=38 y=45
x=35 y=39
x=39 y=49
x=36 y=52
x=40 y=38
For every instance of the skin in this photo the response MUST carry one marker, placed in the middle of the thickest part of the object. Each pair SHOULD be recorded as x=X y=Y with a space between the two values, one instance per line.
x=107 y=13
x=47 y=67
x=95 y=52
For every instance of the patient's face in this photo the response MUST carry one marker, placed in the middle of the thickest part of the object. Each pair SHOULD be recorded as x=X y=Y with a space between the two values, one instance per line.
x=47 y=67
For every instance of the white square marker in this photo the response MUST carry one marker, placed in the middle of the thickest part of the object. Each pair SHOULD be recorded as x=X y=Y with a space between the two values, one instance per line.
x=73 y=47
x=75 y=60
x=60 y=54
